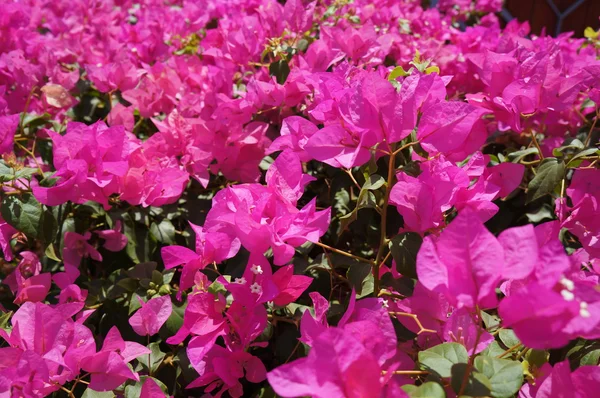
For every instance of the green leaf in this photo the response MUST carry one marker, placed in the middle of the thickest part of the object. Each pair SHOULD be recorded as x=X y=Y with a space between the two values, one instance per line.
x=51 y=253
x=550 y=172
x=517 y=156
x=397 y=72
x=302 y=45
x=129 y=284
x=25 y=172
x=441 y=358
x=217 y=287
x=574 y=144
x=374 y=182
x=586 y=152
x=404 y=248
x=356 y=275
x=509 y=338
x=490 y=321
x=280 y=69
x=4 y=318
x=591 y=358
x=164 y=232
x=27 y=215
x=89 y=393
x=537 y=357
x=174 y=322
x=477 y=384
x=366 y=199
x=493 y=350
x=430 y=389
x=505 y=376
x=156 y=357
x=135 y=390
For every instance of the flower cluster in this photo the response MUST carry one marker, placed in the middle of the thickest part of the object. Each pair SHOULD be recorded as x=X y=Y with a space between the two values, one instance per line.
x=349 y=198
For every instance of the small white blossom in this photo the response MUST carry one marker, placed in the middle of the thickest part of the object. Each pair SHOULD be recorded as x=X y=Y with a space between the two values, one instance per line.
x=256 y=288
x=385 y=303
x=567 y=295
x=583 y=310
x=567 y=283
x=256 y=269
x=241 y=281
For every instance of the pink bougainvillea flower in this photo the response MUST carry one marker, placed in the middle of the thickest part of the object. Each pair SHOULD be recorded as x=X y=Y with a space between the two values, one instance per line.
x=295 y=133
x=90 y=163
x=211 y=246
x=337 y=365
x=261 y=217
x=108 y=367
x=6 y=234
x=220 y=369
x=462 y=327
x=45 y=351
x=290 y=286
x=465 y=263
x=454 y=129
x=28 y=266
x=559 y=381
x=75 y=249
x=8 y=128
x=203 y=317
x=151 y=316
x=151 y=390
x=114 y=240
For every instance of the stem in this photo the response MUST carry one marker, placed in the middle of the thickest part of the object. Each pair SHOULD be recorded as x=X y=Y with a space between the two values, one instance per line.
x=415 y=318
x=149 y=358
x=404 y=147
x=27 y=151
x=343 y=253
x=407 y=372
x=511 y=349
x=382 y=239
x=589 y=136
x=349 y=172
x=537 y=145
x=472 y=357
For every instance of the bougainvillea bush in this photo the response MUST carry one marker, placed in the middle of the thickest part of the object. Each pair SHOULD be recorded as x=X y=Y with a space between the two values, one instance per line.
x=262 y=198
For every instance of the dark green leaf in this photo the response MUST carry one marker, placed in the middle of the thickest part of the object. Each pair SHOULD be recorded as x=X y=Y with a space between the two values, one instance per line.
x=164 y=232
x=537 y=357
x=505 y=376
x=509 y=338
x=405 y=247
x=586 y=152
x=517 y=156
x=280 y=69
x=27 y=215
x=477 y=384
x=156 y=357
x=129 y=284
x=441 y=358
x=550 y=172
x=356 y=275
x=174 y=322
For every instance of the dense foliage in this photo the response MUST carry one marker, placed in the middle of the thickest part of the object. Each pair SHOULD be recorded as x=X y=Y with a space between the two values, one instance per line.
x=336 y=198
